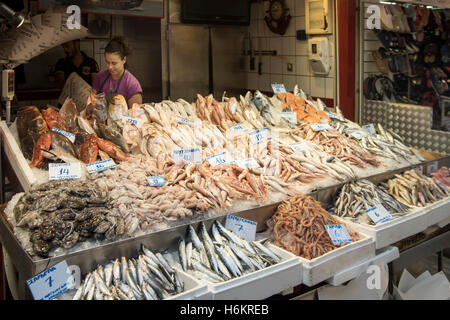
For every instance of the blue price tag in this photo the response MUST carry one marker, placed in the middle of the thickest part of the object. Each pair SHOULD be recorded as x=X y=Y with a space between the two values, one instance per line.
x=331 y=115
x=338 y=234
x=156 y=181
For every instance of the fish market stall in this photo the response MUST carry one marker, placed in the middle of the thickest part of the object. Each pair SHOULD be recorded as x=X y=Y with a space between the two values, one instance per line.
x=177 y=164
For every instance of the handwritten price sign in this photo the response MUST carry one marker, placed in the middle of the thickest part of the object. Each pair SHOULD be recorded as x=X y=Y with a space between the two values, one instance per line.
x=64 y=171
x=246 y=229
x=100 y=166
x=156 y=181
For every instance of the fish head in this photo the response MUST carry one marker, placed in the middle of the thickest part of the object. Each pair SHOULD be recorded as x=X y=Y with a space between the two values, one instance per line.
x=62 y=145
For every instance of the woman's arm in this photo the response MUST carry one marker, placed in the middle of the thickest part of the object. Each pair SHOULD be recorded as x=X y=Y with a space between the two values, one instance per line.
x=137 y=98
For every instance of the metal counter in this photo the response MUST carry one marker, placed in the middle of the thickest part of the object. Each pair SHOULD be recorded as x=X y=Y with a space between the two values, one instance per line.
x=89 y=258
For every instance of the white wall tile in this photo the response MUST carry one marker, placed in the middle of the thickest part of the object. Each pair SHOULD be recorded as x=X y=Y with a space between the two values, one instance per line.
x=286 y=60
x=263 y=29
x=304 y=84
x=264 y=8
x=290 y=31
x=264 y=82
x=253 y=28
x=276 y=43
x=288 y=46
x=299 y=7
x=252 y=81
x=329 y=88
x=276 y=64
x=302 y=67
x=300 y=23
x=276 y=78
x=289 y=82
x=265 y=67
x=318 y=87
x=290 y=4
x=301 y=47
x=255 y=11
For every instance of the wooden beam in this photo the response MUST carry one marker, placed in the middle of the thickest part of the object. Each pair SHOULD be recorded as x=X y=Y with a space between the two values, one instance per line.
x=346 y=33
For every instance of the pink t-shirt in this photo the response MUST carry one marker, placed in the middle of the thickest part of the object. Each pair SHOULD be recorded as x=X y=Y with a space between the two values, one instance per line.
x=129 y=85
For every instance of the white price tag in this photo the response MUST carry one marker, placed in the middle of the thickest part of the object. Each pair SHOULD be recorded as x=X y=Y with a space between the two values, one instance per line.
x=299 y=146
x=320 y=126
x=419 y=168
x=378 y=214
x=358 y=134
x=258 y=136
x=331 y=115
x=51 y=283
x=370 y=129
x=156 y=181
x=278 y=88
x=291 y=117
x=219 y=159
x=100 y=166
x=432 y=167
x=247 y=163
x=244 y=228
x=238 y=130
x=137 y=122
x=187 y=156
x=338 y=234
x=184 y=121
x=69 y=135
x=63 y=171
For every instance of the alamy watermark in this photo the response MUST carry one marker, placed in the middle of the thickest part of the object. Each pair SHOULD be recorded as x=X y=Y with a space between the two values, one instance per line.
x=374 y=18
x=374 y=280
x=74 y=20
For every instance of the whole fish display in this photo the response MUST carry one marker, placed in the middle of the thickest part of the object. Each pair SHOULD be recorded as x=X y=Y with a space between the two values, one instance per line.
x=223 y=255
x=30 y=125
x=356 y=197
x=61 y=213
x=298 y=226
x=415 y=189
x=146 y=277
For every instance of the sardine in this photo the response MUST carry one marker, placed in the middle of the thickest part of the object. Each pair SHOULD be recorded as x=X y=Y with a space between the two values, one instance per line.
x=182 y=253
x=203 y=269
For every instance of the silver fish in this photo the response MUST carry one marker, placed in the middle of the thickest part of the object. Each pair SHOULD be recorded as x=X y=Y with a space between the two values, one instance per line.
x=116 y=270
x=90 y=294
x=164 y=262
x=182 y=253
x=189 y=254
x=242 y=255
x=78 y=294
x=228 y=261
x=108 y=274
x=203 y=269
x=266 y=251
x=123 y=267
x=88 y=283
x=148 y=291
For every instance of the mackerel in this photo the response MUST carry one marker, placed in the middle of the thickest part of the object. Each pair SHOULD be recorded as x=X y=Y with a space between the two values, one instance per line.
x=182 y=253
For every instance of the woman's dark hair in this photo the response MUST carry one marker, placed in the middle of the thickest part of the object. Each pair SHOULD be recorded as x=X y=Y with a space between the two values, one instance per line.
x=118 y=45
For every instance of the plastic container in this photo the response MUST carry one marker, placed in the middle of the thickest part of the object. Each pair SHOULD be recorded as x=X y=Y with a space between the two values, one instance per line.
x=193 y=288
x=327 y=265
x=261 y=284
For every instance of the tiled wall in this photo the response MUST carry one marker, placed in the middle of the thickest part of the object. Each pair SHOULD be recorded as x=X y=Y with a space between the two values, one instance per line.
x=289 y=50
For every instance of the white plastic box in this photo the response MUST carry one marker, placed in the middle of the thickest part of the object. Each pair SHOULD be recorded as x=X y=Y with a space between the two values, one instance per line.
x=400 y=228
x=327 y=265
x=261 y=284
x=193 y=289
